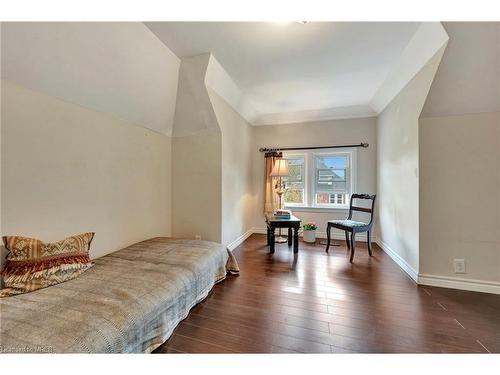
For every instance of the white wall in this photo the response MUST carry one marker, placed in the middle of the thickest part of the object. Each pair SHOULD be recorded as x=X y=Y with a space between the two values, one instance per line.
x=196 y=156
x=238 y=200
x=460 y=162
x=77 y=99
x=397 y=169
x=460 y=195
x=119 y=68
x=67 y=169
x=196 y=187
x=211 y=149
x=331 y=132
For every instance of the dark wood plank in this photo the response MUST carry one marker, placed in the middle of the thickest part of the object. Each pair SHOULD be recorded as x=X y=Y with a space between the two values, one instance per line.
x=190 y=345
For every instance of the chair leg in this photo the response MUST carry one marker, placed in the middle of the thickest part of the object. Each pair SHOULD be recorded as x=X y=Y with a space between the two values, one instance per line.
x=347 y=240
x=352 y=246
x=369 y=242
x=328 y=230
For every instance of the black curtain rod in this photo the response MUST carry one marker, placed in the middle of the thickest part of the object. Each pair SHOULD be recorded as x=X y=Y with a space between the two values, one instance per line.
x=265 y=149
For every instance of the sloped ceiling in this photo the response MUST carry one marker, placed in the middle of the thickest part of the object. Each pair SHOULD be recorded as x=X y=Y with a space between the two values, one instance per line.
x=194 y=114
x=290 y=72
x=468 y=78
x=117 y=68
x=425 y=43
x=270 y=73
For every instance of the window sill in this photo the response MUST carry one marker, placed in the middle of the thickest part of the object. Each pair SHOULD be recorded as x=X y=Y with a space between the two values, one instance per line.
x=317 y=209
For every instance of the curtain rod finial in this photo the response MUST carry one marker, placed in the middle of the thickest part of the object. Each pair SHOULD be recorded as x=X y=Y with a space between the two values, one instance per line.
x=364 y=144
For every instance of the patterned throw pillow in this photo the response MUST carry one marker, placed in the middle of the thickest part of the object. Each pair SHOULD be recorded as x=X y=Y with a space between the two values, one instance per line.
x=33 y=264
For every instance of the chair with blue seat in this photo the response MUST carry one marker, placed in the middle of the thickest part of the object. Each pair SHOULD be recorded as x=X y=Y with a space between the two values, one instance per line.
x=353 y=226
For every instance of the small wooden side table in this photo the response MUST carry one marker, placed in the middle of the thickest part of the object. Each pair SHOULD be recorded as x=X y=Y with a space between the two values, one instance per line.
x=292 y=223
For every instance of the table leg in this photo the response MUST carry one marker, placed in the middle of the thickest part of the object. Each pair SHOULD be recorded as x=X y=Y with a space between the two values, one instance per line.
x=268 y=236
x=296 y=240
x=271 y=239
x=289 y=237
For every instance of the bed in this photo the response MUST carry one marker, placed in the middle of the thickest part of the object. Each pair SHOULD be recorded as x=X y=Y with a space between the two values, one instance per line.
x=130 y=301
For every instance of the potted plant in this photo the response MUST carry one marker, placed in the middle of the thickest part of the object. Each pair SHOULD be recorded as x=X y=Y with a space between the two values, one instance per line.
x=309 y=232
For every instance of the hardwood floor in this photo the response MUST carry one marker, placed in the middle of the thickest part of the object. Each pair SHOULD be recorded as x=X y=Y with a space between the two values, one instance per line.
x=319 y=303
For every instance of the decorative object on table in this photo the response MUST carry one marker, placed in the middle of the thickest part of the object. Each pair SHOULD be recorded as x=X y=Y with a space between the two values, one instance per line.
x=270 y=202
x=352 y=226
x=309 y=234
x=282 y=214
x=280 y=170
x=292 y=223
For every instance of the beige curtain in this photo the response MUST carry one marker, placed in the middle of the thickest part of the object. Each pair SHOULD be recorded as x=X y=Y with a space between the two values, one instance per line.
x=270 y=196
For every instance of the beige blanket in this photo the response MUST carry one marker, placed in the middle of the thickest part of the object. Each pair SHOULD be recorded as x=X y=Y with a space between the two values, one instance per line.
x=130 y=301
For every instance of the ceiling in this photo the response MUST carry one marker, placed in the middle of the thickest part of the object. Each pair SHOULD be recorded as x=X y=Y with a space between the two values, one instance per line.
x=271 y=73
x=290 y=67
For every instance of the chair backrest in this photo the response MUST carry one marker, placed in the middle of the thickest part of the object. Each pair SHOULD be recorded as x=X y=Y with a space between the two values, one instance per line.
x=371 y=210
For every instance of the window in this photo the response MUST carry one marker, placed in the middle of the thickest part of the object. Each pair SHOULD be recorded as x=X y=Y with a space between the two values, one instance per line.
x=320 y=178
x=331 y=179
x=294 y=183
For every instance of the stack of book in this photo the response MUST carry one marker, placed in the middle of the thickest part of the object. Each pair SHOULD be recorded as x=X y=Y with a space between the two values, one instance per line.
x=282 y=214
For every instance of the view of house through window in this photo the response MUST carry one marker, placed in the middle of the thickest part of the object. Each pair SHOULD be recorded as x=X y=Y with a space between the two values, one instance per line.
x=318 y=179
x=331 y=179
x=326 y=198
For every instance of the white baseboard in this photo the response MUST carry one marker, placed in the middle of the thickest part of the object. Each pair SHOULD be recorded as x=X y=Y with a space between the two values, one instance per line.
x=441 y=281
x=403 y=264
x=336 y=236
x=460 y=283
x=238 y=241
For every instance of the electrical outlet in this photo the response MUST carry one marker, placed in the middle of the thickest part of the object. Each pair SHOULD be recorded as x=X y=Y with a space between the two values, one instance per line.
x=459 y=265
x=197 y=237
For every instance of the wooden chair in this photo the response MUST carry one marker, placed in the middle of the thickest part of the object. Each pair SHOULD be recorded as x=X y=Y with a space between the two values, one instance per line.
x=353 y=226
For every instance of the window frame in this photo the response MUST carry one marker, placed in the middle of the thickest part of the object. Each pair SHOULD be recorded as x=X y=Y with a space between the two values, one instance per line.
x=310 y=178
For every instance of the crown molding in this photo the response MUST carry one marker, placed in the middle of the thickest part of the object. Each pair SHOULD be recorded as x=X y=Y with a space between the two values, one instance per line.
x=337 y=113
